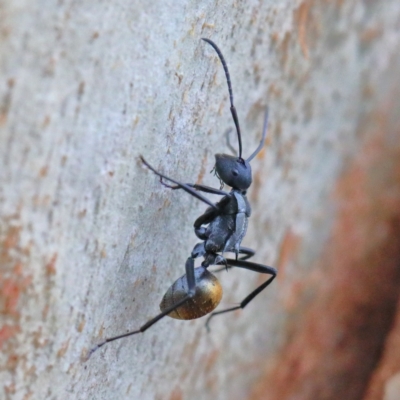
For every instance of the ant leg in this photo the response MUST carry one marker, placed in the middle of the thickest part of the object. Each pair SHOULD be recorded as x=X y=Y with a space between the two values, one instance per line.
x=201 y=188
x=248 y=253
x=263 y=269
x=169 y=186
x=191 y=292
x=183 y=186
x=208 y=216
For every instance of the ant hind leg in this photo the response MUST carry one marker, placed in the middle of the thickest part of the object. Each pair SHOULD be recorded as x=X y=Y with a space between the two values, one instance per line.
x=260 y=268
x=190 y=276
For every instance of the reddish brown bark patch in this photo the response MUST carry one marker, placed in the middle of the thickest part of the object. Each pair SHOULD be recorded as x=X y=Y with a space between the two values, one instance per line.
x=389 y=365
x=336 y=337
x=13 y=280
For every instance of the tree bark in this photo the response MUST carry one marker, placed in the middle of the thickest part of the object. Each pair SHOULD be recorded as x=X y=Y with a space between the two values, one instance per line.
x=90 y=241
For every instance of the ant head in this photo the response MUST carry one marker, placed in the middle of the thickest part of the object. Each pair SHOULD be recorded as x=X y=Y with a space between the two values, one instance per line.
x=234 y=171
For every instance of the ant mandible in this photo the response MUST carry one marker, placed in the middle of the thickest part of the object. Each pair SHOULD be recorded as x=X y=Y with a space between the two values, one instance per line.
x=221 y=229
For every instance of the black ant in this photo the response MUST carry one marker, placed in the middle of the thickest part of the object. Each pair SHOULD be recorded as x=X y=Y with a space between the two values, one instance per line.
x=221 y=229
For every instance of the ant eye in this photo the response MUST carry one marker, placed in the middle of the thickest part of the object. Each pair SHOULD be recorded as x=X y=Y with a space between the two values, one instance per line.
x=235 y=172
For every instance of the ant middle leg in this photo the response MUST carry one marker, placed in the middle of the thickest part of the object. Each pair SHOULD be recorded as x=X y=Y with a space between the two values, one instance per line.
x=260 y=268
x=248 y=253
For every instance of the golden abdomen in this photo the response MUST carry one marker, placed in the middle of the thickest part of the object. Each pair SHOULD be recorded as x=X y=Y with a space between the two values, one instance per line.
x=206 y=299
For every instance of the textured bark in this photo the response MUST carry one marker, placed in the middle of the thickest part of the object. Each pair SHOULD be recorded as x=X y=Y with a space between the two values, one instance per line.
x=90 y=241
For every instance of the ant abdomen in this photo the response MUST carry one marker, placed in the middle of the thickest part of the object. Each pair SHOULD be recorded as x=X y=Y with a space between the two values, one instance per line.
x=206 y=299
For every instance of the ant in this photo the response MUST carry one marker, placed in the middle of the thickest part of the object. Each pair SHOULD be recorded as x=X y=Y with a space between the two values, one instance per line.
x=221 y=229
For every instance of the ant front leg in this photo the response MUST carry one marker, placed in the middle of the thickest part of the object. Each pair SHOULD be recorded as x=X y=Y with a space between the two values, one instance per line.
x=201 y=188
x=183 y=186
x=191 y=283
x=260 y=268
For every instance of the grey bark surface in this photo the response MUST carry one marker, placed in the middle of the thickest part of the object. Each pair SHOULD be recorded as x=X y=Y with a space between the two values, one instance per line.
x=90 y=241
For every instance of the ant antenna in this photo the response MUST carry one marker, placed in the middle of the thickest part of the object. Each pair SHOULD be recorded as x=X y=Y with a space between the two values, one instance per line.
x=228 y=81
x=264 y=134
